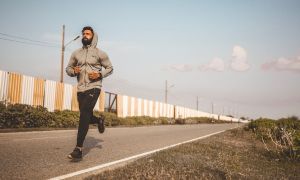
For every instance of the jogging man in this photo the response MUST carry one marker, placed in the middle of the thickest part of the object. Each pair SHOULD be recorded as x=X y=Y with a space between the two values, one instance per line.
x=90 y=65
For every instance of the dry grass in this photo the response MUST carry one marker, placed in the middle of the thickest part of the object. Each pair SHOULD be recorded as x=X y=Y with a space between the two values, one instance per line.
x=234 y=154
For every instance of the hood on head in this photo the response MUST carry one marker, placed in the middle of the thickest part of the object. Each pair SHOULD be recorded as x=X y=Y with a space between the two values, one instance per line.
x=93 y=43
x=95 y=40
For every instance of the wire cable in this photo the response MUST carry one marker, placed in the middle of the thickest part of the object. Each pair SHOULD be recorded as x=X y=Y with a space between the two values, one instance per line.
x=28 y=43
x=31 y=40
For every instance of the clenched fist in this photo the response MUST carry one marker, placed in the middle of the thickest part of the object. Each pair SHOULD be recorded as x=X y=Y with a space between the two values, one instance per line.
x=77 y=69
x=94 y=75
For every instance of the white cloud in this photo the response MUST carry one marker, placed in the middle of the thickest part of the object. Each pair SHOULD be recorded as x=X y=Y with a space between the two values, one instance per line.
x=179 y=67
x=239 y=61
x=283 y=64
x=216 y=64
x=239 y=53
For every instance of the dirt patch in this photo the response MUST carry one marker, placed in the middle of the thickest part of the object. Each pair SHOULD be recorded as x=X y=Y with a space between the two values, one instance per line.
x=234 y=154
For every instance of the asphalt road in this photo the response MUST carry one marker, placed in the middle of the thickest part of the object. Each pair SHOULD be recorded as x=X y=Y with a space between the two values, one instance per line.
x=43 y=154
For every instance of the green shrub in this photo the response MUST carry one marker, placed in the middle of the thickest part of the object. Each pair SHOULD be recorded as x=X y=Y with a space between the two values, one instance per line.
x=283 y=134
x=179 y=121
x=203 y=119
x=165 y=121
x=289 y=123
x=199 y=120
x=65 y=119
x=37 y=117
x=261 y=123
x=26 y=116
x=2 y=106
x=111 y=119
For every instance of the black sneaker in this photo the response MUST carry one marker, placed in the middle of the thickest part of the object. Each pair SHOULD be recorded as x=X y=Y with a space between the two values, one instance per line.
x=76 y=154
x=101 y=125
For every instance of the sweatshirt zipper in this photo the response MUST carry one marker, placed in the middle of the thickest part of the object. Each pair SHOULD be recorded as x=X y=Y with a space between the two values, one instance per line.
x=85 y=67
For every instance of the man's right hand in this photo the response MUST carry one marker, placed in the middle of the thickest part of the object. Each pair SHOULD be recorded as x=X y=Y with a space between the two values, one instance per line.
x=77 y=69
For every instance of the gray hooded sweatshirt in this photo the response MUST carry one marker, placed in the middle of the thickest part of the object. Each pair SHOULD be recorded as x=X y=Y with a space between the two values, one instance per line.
x=90 y=59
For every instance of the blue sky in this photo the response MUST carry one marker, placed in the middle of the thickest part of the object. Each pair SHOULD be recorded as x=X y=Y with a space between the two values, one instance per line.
x=242 y=56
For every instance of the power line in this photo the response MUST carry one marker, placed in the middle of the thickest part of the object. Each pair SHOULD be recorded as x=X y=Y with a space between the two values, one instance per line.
x=28 y=43
x=31 y=40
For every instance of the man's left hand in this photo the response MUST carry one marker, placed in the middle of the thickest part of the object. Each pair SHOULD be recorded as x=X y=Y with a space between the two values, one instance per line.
x=94 y=75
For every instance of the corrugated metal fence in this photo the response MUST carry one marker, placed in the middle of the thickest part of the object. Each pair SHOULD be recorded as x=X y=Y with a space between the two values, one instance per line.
x=17 y=88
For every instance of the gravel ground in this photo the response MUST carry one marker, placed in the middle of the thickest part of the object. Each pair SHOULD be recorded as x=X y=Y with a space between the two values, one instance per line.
x=234 y=154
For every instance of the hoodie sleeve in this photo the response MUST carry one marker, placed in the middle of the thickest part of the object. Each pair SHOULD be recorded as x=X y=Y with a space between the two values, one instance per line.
x=105 y=62
x=72 y=63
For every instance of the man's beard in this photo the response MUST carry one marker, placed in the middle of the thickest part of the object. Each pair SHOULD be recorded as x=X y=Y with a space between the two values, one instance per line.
x=86 y=41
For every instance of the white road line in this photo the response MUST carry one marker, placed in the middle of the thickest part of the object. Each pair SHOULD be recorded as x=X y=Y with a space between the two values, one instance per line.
x=129 y=158
x=37 y=132
x=23 y=139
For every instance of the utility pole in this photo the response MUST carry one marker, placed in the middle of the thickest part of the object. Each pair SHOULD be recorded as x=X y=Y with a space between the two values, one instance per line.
x=63 y=48
x=197 y=102
x=212 y=111
x=62 y=55
x=166 y=92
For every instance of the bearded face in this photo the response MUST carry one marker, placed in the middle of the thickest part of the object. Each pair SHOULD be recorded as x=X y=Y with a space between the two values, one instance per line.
x=87 y=37
x=85 y=41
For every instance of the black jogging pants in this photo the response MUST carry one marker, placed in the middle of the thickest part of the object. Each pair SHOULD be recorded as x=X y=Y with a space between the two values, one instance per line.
x=87 y=101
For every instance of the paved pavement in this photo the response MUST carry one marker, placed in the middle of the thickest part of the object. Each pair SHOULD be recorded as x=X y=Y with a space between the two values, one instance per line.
x=43 y=154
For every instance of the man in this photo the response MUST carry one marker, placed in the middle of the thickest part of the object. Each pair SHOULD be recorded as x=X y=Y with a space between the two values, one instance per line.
x=86 y=64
